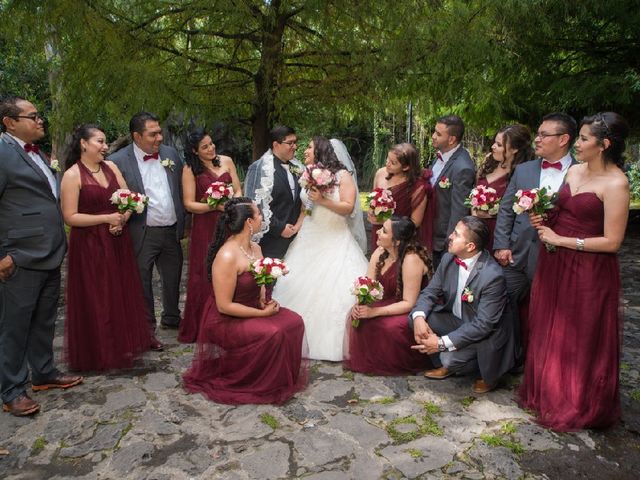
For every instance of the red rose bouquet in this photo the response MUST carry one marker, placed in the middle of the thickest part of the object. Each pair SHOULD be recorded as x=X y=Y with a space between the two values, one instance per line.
x=217 y=194
x=381 y=204
x=366 y=291
x=484 y=198
x=128 y=200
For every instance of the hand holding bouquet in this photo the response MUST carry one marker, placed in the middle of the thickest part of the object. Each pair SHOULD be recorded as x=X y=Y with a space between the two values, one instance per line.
x=483 y=198
x=128 y=200
x=381 y=204
x=366 y=291
x=536 y=201
x=217 y=194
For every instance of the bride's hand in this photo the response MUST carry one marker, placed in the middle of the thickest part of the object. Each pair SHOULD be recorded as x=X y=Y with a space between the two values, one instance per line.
x=315 y=195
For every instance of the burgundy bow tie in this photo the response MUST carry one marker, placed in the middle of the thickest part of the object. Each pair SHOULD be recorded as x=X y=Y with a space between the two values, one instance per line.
x=30 y=147
x=153 y=156
x=439 y=156
x=460 y=262
x=556 y=165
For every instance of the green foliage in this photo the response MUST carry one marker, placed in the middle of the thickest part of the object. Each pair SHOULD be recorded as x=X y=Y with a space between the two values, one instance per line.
x=467 y=401
x=635 y=394
x=633 y=174
x=500 y=441
x=269 y=420
x=425 y=426
x=385 y=400
x=414 y=452
x=432 y=409
x=38 y=445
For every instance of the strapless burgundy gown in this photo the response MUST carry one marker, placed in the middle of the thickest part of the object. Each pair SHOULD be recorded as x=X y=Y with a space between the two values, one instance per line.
x=106 y=326
x=248 y=360
x=382 y=345
x=500 y=186
x=203 y=228
x=572 y=363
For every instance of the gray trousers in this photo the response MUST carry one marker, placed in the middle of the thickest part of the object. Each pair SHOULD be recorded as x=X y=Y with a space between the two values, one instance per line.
x=162 y=249
x=28 y=307
x=518 y=288
x=463 y=361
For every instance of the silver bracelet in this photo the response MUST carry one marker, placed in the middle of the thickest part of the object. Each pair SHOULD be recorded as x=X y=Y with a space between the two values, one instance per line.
x=580 y=244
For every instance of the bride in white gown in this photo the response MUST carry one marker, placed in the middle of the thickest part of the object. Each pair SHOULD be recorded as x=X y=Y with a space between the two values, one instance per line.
x=327 y=255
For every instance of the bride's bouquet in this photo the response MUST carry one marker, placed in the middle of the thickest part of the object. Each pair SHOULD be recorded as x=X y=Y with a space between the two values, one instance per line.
x=217 y=194
x=484 y=198
x=316 y=176
x=381 y=204
x=366 y=291
x=128 y=200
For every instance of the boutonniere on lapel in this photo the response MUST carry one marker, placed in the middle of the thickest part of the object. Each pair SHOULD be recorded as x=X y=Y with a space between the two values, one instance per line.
x=295 y=169
x=467 y=295
x=168 y=163
x=55 y=166
x=444 y=183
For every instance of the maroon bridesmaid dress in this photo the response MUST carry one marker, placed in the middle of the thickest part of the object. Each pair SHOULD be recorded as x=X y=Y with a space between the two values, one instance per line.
x=500 y=186
x=407 y=199
x=198 y=285
x=382 y=345
x=248 y=360
x=106 y=326
x=572 y=363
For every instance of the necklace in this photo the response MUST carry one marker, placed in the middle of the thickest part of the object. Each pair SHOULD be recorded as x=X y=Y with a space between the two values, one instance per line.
x=251 y=257
x=583 y=184
x=91 y=171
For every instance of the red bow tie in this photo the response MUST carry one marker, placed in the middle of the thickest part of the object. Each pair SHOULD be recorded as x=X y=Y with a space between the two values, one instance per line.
x=556 y=165
x=153 y=156
x=30 y=147
x=460 y=262
x=439 y=156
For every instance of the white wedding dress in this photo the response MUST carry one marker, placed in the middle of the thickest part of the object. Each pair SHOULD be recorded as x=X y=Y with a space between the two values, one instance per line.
x=323 y=260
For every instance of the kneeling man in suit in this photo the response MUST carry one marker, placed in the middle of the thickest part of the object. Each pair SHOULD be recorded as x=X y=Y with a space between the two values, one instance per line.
x=460 y=316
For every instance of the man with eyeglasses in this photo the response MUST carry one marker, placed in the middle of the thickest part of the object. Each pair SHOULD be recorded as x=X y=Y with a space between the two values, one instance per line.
x=273 y=184
x=516 y=242
x=32 y=246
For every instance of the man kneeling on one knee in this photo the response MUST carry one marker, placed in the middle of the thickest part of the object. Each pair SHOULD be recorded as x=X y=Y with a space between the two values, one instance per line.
x=459 y=316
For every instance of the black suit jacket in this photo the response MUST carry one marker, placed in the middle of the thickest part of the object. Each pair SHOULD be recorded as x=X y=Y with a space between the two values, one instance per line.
x=31 y=226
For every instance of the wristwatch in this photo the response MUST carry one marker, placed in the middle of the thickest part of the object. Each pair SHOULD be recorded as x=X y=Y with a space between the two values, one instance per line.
x=441 y=346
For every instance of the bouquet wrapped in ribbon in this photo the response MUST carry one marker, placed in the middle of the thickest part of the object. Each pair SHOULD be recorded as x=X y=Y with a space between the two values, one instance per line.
x=316 y=176
x=381 y=204
x=485 y=199
x=217 y=194
x=128 y=200
x=366 y=291
x=537 y=201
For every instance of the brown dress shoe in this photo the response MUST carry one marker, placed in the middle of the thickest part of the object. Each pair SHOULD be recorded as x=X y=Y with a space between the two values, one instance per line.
x=21 y=406
x=438 y=373
x=480 y=386
x=156 y=346
x=62 y=381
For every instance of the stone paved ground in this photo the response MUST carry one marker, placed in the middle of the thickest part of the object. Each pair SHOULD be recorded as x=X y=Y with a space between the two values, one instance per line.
x=142 y=425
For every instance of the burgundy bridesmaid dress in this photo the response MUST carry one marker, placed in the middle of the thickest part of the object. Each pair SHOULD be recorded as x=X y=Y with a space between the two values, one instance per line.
x=572 y=363
x=382 y=345
x=500 y=186
x=248 y=360
x=106 y=326
x=203 y=228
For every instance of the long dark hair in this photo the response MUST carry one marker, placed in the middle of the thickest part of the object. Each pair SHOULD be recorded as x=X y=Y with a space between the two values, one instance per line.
x=614 y=128
x=191 y=157
x=403 y=230
x=408 y=156
x=517 y=137
x=324 y=154
x=74 y=149
x=236 y=211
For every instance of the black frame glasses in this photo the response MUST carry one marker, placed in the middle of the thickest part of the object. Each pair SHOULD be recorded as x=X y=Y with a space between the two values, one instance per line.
x=33 y=116
x=291 y=143
x=545 y=135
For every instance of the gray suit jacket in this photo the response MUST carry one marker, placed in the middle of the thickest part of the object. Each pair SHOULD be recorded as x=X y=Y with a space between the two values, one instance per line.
x=126 y=161
x=514 y=232
x=31 y=226
x=484 y=320
x=461 y=172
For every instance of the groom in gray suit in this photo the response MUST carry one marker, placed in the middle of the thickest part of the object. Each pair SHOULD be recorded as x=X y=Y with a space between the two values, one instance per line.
x=32 y=246
x=460 y=316
x=156 y=170
x=454 y=174
x=515 y=241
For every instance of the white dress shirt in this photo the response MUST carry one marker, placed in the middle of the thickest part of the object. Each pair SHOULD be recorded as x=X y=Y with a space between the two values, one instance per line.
x=292 y=181
x=439 y=164
x=160 y=211
x=552 y=178
x=42 y=165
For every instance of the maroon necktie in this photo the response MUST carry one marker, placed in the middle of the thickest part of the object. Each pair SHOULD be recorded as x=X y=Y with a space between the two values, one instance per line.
x=556 y=165
x=153 y=156
x=460 y=262
x=30 y=147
